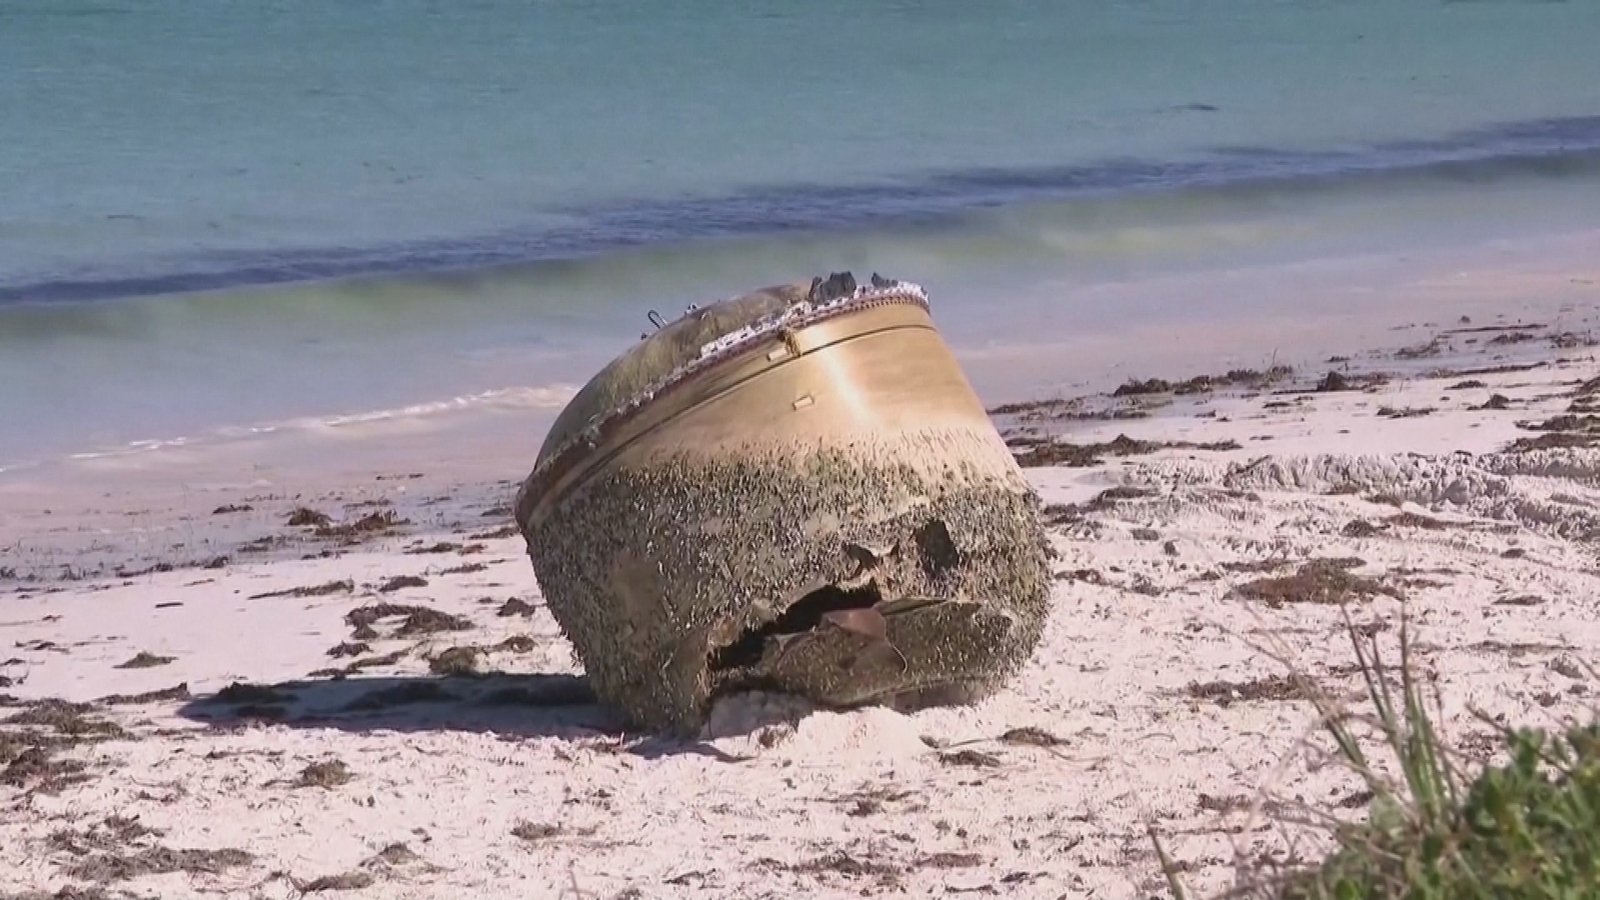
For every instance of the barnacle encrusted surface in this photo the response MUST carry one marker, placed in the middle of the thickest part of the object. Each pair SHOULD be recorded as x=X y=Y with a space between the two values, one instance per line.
x=849 y=575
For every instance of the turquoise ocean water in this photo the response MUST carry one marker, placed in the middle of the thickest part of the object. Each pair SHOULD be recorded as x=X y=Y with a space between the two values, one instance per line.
x=230 y=213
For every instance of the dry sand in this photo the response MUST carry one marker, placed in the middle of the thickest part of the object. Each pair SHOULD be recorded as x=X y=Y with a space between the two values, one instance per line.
x=1155 y=700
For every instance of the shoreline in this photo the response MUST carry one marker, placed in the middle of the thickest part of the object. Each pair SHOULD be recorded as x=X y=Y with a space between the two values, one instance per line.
x=302 y=395
x=444 y=745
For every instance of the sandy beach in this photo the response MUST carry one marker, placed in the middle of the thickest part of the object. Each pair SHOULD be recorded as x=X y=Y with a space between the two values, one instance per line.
x=281 y=684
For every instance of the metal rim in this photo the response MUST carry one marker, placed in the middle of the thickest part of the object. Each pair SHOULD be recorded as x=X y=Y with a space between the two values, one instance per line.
x=733 y=346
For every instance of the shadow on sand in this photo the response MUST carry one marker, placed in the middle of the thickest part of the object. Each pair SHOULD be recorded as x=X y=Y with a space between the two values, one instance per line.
x=560 y=706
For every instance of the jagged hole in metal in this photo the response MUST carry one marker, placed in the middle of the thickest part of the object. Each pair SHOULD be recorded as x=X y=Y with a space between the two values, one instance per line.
x=805 y=615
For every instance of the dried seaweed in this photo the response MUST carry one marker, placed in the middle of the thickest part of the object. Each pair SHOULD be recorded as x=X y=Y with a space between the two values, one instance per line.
x=158 y=860
x=1227 y=693
x=326 y=774
x=342 y=586
x=1059 y=453
x=146 y=660
x=1316 y=581
x=164 y=695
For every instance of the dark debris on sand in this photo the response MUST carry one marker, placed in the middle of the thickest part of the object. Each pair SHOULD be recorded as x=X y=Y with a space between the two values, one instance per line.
x=1413 y=520
x=30 y=763
x=177 y=692
x=1408 y=412
x=341 y=586
x=374 y=662
x=400 y=582
x=1569 y=340
x=305 y=517
x=349 y=649
x=1033 y=452
x=1032 y=409
x=976 y=759
x=359 y=665
x=396 y=854
x=1227 y=693
x=1074 y=408
x=1199 y=384
x=440 y=547
x=1566 y=422
x=1340 y=381
x=1519 y=600
x=114 y=866
x=152 y=569
x=372 y=524
x=1568 y=430
x=239 y=693
x=1435 y=346
x=146 y=660
x=1556 y=440
x=418 y=619
x=327 y=774
x=1029 y=736
x=262 y=544
x=1065 y=513
x=1361 y=528
x=1584 y=395
x=1224 y=804
x=456 y=661
x=949 y=860
x=346 y=881
x=534 y=832
x=1507 y=369
x=516 y=607
x=111 y=833
x=1316 y=581
x=41 y=730
x=69 y=719
x=429 y=621
x=841 y=863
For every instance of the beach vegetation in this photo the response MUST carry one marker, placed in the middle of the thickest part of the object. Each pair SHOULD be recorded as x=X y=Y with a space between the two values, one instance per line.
x=1525 y=827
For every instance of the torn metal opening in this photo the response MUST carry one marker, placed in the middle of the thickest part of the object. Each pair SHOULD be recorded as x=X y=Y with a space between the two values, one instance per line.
x=805 y=614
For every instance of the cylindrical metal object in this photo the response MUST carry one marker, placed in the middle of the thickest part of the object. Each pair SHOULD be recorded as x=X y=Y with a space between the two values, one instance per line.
x=794 y=490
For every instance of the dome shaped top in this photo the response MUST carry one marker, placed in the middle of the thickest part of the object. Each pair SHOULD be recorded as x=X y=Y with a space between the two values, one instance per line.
x=673 y=347
x=702 y=335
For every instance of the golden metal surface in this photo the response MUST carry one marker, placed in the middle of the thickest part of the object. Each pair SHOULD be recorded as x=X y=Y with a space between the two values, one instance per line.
x=883 y=368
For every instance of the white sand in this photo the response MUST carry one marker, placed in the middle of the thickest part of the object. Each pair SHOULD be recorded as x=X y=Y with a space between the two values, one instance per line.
x=777 y=803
